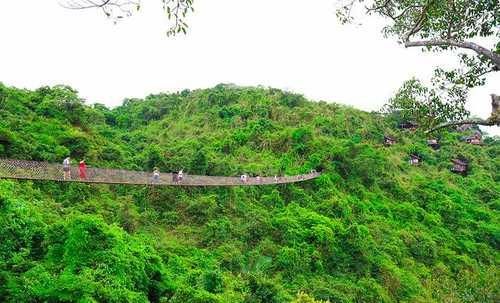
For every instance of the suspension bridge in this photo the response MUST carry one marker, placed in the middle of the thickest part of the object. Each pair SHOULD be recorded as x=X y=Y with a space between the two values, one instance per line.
x=35 y=170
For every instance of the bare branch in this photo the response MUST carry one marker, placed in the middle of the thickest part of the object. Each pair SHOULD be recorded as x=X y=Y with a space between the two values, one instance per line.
x=420 y=22
x=405 y=11
x=376 y=8
x=79 y=5
x=114 y=9
x=176 y=10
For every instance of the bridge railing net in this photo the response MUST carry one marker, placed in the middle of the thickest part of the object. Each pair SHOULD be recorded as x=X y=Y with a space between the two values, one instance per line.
x=34 y=170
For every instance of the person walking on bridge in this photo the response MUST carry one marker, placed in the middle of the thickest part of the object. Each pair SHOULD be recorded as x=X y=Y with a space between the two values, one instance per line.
x=67 y=168
x=156 y=175
x=83 y=170
x=180 y=176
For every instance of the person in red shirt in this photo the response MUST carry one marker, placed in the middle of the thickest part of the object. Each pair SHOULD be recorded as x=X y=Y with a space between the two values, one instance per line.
x=83 y=170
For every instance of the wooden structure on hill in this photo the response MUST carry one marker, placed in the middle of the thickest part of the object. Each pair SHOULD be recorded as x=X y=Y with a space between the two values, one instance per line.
x=415 y=159
x=433 y=143
x=410 y=125
x=460 y=166
x=388 y=141
x=475 y=139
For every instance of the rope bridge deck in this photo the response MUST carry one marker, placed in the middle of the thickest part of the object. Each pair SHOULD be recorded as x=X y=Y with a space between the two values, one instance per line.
x=34 y=170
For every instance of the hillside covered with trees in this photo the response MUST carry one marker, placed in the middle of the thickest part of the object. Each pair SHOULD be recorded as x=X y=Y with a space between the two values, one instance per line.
x=372 y=228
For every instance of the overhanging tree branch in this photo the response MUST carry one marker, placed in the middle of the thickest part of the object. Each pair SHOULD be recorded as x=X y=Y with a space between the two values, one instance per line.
x=465 y=122
x=495 y=58
x=493 y=120
x=442 y=25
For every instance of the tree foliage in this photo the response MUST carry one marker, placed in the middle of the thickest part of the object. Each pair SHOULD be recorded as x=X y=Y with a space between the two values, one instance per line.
x=416 y=102
x=442 y=26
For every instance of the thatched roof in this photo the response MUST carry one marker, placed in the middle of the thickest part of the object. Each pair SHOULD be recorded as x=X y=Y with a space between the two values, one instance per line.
x=461 y=161
x=415 y=156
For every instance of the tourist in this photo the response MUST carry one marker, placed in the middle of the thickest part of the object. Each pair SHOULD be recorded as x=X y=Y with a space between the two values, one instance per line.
x=83 y=170
x=67 y=168
x=156 y=175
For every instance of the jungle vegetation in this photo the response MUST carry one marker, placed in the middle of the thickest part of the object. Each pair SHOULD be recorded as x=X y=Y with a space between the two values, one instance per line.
x=372 y=228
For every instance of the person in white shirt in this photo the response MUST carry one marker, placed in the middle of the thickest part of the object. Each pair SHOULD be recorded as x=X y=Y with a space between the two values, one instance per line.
x=156 y=175
x=67 y=168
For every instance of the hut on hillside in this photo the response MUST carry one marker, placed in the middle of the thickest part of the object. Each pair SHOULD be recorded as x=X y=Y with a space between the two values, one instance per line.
x=388 y=140
x=408 y=125
x=433 y=143
x=460 y=166
x=415 y=159
x=475 y=139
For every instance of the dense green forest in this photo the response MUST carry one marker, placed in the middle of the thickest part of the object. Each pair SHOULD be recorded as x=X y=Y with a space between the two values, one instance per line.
x=372 y=228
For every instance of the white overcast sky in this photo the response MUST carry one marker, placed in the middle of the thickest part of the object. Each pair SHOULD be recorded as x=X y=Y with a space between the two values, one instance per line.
x=289 y=44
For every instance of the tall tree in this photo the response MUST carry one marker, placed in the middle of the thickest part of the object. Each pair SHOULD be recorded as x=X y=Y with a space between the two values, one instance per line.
x=176 y=10
x=444 y=25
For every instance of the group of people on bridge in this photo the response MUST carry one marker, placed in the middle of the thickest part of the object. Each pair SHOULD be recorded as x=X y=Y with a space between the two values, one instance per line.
x=245 y=178
x=177 y=177
x=258 y=179
x=82 y=169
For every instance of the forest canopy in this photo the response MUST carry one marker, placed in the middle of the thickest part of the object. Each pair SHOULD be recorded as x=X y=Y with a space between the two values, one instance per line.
x=372 y=228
